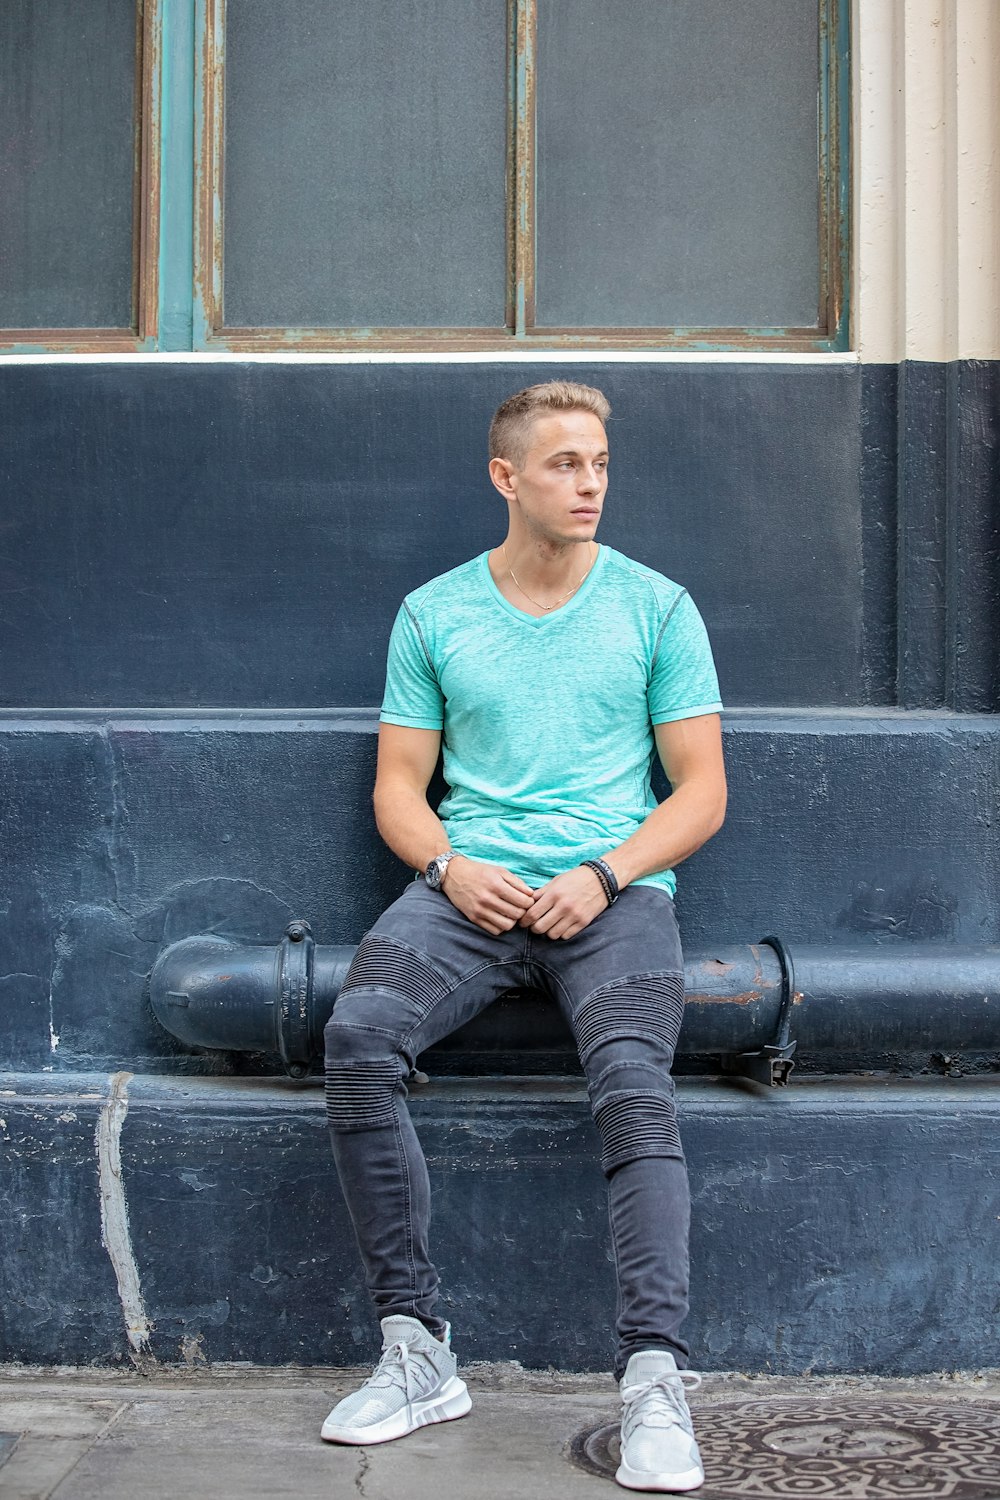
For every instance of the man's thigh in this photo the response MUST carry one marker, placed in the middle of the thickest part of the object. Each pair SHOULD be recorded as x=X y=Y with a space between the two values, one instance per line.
x=622 y=976
x=622 y=990
x=635 y=937
x=423 y=970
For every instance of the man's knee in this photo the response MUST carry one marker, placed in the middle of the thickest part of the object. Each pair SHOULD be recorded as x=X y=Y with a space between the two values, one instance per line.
x=364 y=1070
x=626 y=1032
x=386 y=992
x=636 y=1123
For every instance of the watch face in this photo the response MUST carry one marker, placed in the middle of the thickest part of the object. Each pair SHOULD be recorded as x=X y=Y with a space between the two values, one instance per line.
x=433 y=874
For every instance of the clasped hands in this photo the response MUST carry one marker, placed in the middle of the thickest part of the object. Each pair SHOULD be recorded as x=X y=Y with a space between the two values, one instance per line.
x=496 y=900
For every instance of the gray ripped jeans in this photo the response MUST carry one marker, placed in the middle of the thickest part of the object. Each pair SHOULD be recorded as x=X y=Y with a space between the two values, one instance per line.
x=421 y=972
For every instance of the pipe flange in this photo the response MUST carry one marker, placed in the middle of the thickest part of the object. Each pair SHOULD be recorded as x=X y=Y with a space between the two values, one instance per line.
x=295 y=982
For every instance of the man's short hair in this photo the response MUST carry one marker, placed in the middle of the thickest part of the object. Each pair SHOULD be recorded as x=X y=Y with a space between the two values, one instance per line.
x=511 y=425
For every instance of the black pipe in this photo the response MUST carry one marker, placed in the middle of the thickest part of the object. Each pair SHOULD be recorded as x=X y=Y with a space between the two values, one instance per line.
x=210 y=992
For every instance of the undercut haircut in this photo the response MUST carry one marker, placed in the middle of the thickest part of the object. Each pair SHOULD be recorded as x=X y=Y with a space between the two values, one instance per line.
x=510 y=430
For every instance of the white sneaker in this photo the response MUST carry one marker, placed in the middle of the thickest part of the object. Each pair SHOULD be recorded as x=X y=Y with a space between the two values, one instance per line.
x=658 y=1447
x=414 y=1383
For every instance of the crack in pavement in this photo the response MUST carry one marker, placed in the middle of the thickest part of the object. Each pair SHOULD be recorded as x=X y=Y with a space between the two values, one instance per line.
x=364 y=1464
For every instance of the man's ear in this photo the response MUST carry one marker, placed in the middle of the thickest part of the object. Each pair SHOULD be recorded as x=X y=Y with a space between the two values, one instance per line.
x=503 y=476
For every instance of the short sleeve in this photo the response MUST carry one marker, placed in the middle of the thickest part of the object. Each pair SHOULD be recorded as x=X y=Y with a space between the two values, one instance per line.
x=683 y=681
x=413 y=695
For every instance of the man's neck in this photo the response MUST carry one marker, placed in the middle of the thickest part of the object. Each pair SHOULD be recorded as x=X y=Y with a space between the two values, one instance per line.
x=538 y=576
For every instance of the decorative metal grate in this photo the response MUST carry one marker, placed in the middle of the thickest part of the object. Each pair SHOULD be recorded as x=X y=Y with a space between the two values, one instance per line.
x=846 y=1448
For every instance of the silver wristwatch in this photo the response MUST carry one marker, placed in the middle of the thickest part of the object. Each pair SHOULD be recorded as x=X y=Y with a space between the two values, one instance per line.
x=434 y=873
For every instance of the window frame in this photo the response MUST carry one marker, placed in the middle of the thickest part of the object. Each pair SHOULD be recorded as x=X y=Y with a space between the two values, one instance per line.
x=829 y=333
x=178 y=226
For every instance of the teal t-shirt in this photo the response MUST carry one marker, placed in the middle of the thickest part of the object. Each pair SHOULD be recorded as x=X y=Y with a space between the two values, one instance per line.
x=548 y=723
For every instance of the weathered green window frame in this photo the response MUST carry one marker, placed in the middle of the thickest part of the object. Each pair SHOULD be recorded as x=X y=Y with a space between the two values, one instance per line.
x=178 y=282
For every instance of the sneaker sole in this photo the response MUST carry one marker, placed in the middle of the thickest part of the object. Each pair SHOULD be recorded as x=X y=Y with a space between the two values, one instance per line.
x=669 y=1484
x=453 y=1400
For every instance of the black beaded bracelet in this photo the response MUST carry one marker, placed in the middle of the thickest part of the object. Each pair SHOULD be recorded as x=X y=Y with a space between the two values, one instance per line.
x=607 y=877
x=610 y=877
x=590 y=864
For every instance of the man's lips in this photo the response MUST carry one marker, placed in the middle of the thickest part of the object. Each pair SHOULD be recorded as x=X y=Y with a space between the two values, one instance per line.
x=586 y=510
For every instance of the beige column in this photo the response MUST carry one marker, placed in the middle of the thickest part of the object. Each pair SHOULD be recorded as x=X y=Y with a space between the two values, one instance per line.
x=926 y=118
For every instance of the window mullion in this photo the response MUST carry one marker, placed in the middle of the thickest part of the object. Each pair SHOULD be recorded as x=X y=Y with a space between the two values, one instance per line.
x=172 y=122
x=834 y=153
x=523 y=185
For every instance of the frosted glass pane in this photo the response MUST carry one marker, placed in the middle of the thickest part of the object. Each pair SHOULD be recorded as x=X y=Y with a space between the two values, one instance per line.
x=365 y=164
x=677 y=177
x=67 y=105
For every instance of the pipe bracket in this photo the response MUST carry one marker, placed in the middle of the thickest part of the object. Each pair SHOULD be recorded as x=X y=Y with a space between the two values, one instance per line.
x=772 y=1064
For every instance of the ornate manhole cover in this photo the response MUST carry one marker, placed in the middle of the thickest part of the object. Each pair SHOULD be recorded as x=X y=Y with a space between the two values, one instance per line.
x=848 y=1449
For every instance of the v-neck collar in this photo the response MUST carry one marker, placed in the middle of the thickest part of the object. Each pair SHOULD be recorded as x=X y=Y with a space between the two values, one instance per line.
x=554 y=614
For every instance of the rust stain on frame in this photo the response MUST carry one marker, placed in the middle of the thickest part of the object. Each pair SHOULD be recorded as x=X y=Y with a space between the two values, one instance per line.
x=510 y=169
x=209 y=170
x=455 y=340
x=524 y=167
x=833 y=82
x=149 y=132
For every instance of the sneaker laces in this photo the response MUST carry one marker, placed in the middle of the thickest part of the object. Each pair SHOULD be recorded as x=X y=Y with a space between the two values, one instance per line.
x=659 y=1402
x=395 y=1370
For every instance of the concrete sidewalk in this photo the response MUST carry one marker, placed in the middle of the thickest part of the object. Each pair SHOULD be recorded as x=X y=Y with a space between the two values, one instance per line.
x=241 y=1434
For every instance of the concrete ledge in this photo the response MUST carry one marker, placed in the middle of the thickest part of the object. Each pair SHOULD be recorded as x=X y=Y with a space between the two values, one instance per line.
x=838 y=1225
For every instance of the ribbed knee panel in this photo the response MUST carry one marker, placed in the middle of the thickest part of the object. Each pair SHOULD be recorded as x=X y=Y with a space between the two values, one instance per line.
x=361 y=1095
x=626 y=1032
x=387 y=990
x=637 y=1125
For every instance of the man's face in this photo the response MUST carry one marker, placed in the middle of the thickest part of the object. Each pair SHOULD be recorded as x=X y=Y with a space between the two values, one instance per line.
x=559 y=486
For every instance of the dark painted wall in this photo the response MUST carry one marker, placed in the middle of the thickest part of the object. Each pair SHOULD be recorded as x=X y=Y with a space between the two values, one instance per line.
x=182 y=535
x=178 y=535
x=224 y=545
x=930 y=463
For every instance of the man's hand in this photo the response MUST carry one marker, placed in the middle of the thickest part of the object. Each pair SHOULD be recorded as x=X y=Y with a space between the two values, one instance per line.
x=566 y=905
x=487 y=894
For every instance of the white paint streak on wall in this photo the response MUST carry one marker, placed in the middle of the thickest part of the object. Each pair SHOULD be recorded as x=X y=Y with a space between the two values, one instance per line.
x=115 y=1233
x=927 y=179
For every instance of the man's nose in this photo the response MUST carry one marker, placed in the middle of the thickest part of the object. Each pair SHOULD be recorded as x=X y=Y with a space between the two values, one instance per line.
x=590 y=481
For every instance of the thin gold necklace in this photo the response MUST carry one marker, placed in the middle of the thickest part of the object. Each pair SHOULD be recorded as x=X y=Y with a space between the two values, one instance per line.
x=546 y=608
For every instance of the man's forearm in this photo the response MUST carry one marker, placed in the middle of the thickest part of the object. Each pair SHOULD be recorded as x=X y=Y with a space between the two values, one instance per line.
x=409 y=825
x=487 y=894
x=671 y=833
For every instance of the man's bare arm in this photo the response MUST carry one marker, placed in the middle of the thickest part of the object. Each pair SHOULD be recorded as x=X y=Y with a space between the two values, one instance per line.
x=487 y=894
x=691 y=753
